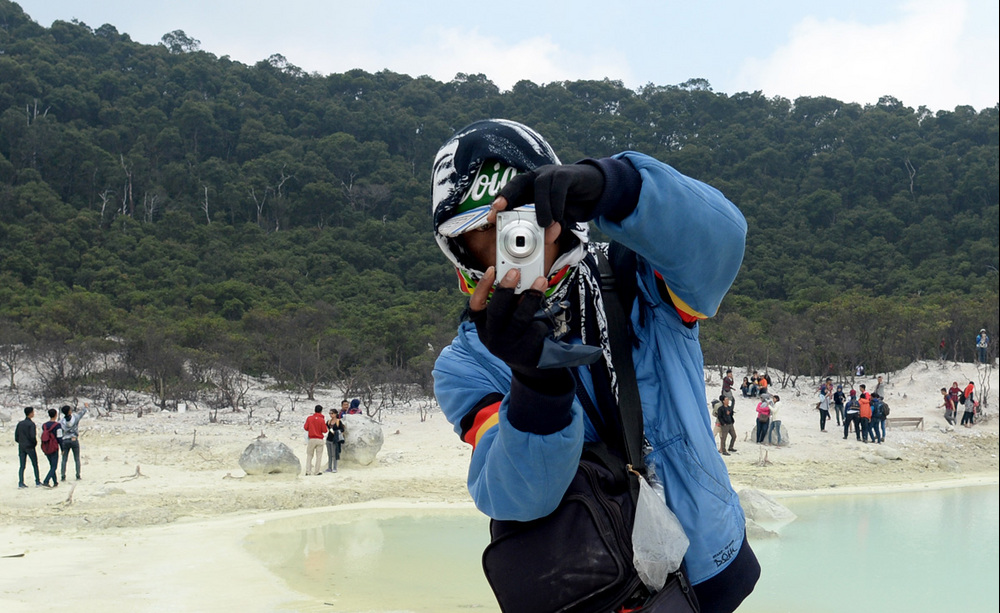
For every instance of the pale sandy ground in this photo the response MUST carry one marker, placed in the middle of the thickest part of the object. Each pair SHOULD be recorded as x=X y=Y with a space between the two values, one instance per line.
x=171 y=539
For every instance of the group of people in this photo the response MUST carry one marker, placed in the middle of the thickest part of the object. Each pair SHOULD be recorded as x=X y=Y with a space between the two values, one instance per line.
x=754 y=385
x=768 y=424
x=58 y=434
x=955 y=397
x=865 y=411
x=328 y=432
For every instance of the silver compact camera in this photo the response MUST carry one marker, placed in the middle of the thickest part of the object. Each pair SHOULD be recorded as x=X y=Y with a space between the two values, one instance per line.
x=521 y=245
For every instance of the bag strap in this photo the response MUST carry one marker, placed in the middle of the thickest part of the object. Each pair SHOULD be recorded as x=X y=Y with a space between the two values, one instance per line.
x=629 y=404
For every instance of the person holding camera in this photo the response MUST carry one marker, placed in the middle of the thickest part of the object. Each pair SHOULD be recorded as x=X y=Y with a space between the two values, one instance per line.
x=515 y=382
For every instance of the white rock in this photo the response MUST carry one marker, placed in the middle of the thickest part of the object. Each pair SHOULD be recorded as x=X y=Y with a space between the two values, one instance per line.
x=888 y=453
x=761 y=508
x=364 y=440
x=264 y=457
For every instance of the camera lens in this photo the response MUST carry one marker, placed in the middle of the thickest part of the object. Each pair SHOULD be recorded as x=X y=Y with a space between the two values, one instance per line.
x=520 y=243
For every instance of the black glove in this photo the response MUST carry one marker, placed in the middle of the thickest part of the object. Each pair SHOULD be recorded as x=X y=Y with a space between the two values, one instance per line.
x=563 y=193
x=540 y=399
x=508 y=328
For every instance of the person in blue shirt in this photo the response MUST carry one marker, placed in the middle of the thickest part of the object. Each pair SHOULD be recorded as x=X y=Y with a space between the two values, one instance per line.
x=526 y=424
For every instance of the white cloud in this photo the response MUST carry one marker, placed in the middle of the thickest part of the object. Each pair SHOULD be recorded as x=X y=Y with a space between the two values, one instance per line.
x=926 y=57
x=444 y=52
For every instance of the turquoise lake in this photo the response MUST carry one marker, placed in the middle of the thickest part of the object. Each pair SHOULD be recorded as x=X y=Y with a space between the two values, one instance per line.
x=916 y=552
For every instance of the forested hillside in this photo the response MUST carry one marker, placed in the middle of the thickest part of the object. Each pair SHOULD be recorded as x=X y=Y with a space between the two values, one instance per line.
x=187 y=218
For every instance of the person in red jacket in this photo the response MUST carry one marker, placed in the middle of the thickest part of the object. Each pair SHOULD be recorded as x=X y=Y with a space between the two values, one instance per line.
x=316 y=427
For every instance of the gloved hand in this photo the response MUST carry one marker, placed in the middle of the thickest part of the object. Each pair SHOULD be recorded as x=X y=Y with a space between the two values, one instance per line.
x=566 y=194
x=507 y=325
x=541 y=400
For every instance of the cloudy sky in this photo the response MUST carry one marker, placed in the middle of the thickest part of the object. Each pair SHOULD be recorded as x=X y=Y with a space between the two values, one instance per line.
x=933 y=53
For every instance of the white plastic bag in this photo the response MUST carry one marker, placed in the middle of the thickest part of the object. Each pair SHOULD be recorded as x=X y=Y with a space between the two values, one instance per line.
x=658 y=539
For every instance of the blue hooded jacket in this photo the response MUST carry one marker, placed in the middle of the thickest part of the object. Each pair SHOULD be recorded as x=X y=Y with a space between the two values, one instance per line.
x=691 y=239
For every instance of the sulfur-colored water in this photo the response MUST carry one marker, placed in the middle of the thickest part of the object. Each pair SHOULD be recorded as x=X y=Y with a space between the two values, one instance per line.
x=917 y=552
x=930 y=551
x=420 y=560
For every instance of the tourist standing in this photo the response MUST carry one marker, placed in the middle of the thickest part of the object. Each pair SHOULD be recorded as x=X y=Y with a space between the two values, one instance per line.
x=879 y=409
x=334 y=439
x=982 y=344
x=954 y=391
x=727 y=389
x=70 y=423
x=51 y=441
x=879 y=388
x=825 y=395
x=970 y=405
x=865 y=413
x=25 y=437
x=724 y=417
x=949 y=407
x=315 y=428
x=852 y=415
x=774 y=424
x=838 y=403
x=763 y=418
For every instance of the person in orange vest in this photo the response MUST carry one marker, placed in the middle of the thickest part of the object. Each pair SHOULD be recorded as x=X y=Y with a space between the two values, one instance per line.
x=865 y=412
x=762 y=386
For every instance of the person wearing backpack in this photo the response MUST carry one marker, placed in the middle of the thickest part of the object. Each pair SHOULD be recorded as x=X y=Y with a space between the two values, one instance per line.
x=51 y=442
x=879 y=412
x=534 y=383
x=852 y=415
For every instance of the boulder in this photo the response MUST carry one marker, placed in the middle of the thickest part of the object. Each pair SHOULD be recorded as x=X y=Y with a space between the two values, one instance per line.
x=4 y=418
x=757 y=532
x=763 y=509
x=779 y=431
x=947 y=464
x=266 y=457
x=888 y=453
x=363 y=440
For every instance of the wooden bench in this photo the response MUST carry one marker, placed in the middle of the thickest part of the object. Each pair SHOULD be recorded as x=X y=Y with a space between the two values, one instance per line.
x=916 y=422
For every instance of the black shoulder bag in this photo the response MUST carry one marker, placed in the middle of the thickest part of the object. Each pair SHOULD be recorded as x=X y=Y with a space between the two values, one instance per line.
x=578 y=559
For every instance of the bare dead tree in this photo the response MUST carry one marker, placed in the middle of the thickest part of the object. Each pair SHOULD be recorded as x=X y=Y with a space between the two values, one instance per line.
x=204 y=206
x=912 y=172
x=14 y=347
x=106 y=197
x=149 y=206
x=424 y=406
x=260 y=202
x=128 y=205
x=231 y=386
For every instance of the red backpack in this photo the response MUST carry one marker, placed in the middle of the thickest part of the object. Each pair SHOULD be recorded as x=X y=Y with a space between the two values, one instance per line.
x=50 y=444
